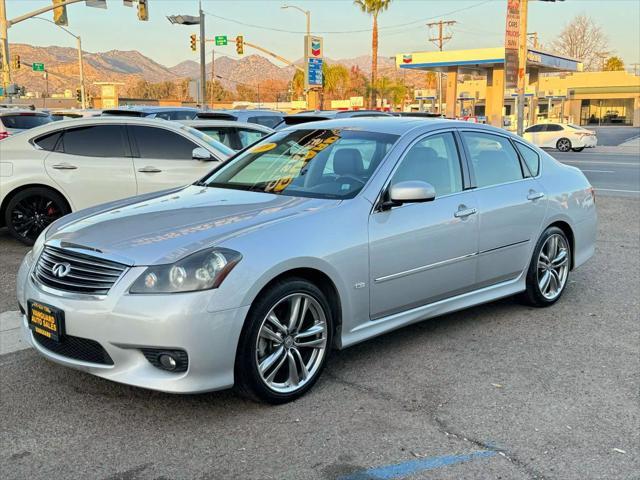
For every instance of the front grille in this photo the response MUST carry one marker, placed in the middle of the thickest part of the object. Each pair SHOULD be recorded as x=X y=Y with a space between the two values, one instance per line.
x=86 y=274
x=77 y=348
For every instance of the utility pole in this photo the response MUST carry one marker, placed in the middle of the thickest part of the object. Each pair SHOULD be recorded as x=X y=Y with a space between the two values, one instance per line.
x=4 y=48
x=213 y=74
x=534 y=37
x=440 y=40
x=83 y=93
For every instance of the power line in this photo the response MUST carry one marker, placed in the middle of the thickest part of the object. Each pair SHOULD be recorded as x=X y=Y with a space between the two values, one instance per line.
x=388 y=27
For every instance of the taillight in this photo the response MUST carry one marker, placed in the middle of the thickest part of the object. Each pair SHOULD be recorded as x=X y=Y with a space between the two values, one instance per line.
x=4 y=135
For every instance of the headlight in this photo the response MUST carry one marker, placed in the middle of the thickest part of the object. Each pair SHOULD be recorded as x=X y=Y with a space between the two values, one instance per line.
x=200 y=271
x=39 y=243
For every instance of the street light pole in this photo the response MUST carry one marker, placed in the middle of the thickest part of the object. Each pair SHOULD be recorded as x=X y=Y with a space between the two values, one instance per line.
x=83 y=95
x=203 y=74
x=4 y=47
x=308 y=93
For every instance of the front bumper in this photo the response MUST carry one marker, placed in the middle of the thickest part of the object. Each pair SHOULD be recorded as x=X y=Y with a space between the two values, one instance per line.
x=123 y=324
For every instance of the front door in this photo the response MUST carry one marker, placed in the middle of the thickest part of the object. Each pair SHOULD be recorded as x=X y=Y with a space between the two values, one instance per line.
x=92 y=165
x=164 y=159
x=424 y=252
x=511 y=207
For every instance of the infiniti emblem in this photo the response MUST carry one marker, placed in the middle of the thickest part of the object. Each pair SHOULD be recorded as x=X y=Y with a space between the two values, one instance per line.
x=61 y=270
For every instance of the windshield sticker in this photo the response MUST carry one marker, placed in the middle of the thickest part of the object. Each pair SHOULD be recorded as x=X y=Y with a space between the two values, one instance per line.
x=263 y=148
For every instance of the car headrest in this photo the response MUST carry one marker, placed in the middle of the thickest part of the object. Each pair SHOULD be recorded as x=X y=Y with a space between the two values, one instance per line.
x=348 y=161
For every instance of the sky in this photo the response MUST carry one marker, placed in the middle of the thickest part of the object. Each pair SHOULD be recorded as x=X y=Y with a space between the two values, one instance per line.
x=346 y=30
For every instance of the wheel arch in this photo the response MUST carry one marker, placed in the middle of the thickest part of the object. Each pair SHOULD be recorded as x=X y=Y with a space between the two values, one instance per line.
x=7 y=198
x=568 y=231
x=320 y=279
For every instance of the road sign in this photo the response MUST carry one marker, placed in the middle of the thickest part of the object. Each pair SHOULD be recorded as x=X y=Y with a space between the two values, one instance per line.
x=221 y=40
x=38 y=67
x=314 y=72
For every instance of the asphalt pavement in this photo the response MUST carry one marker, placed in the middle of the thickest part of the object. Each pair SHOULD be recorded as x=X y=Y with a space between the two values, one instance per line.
x=500 y=391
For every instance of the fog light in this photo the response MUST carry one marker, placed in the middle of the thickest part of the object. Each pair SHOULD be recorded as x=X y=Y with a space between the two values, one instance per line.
x=175 y=361
x=167 y=361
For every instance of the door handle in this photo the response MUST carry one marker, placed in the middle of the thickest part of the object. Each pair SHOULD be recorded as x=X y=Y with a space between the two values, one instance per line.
x=533 y=195
x=64 y=166
x=465 y=212
x=149 y=170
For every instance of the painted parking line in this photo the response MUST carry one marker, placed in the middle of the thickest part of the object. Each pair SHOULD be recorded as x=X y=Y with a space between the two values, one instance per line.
x=597 y=171
x=399 y=470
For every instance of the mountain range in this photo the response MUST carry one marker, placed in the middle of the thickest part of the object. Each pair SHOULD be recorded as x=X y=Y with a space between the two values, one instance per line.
x=131 y=66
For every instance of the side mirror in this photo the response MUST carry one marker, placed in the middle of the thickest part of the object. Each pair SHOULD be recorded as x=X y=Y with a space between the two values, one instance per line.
x=202 y=154
x=411 y=191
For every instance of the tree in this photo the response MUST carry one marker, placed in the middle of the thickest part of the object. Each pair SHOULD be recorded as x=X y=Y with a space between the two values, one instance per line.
x=297 y=84
x=584 y=40
x=373 y=8
x=613 y=64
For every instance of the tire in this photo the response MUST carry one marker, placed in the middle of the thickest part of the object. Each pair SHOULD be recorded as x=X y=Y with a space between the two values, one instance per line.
x=579 y=149
x=541 y=292
x=31 y=210
x=563 y=144
x=271 y=346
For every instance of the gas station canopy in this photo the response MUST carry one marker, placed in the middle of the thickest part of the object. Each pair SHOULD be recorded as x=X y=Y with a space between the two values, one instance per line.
x=483 y=59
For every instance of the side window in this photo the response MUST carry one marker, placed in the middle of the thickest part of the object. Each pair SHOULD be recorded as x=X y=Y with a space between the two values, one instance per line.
x=221 y=134
x=493 y=158
x=48 y=142
x=95 y=141
x=534 y=129
x=181 y=115
x=162 y=144
x=247 y=137
x=554 y=128
x=434 y=160
x=531 y=158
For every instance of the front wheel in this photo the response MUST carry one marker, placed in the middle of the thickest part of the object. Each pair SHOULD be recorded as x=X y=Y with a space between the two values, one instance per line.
x=563 y=145
x=549 y=269
x=30 y=211
x=285 y=343
x=578 y=149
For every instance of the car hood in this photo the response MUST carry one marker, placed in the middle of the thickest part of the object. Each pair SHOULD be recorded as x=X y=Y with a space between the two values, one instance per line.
x=165 y=228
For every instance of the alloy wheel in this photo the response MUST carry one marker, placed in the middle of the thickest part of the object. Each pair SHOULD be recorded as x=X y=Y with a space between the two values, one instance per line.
x=564 y=145
x=291 y=343
x=32 y=215
x=553 y=266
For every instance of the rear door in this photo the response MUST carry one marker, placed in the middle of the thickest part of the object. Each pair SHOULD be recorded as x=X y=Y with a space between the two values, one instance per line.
x=511 y=206
x=164 y=159
x=92 y=165
x=533 y=134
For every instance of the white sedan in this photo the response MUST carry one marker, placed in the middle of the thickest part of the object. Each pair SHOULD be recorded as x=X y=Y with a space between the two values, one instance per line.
x=49 y=171
x=563 y=136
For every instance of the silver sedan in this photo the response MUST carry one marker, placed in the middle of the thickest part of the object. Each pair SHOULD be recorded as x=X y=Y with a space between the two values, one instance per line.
x=317 y=237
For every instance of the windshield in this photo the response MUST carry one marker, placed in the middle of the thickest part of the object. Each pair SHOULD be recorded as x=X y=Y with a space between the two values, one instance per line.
x=221 y=147
x=307 y=163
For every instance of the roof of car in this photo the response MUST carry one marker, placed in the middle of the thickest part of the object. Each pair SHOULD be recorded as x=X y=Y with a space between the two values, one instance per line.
x=392 y=125
x=147 y=109
x=214 y=122
x=22 y=111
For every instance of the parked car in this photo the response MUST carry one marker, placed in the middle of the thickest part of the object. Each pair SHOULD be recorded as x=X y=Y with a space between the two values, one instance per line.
x=319 y=236
x=319 y=115
x=165 y=113
x=563 y=136
x=267 y=118
x=13 y=120
x=73 y=164
x=236 y=135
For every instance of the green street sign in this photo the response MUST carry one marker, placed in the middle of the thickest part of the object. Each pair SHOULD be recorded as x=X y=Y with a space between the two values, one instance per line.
x=221 y=40
x=38 y=67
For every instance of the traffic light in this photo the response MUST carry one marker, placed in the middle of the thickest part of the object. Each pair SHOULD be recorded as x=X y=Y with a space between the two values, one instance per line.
x=240 y=45
x=78 y=95
x=16 y=62
x=193 y=41
x=60 y=14
x=143 y=10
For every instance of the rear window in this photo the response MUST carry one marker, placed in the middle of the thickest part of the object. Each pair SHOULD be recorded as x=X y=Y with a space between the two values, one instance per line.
x=266 y=120
x=48 y=142
x=25 y=120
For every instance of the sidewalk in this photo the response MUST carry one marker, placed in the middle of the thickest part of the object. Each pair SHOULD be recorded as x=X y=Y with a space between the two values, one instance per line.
x=10 y=334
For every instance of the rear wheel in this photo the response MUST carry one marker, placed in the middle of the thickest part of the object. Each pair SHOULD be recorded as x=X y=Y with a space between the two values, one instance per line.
x=285 y=342
x=564 y=144
x=30 y=211
x=549 y=269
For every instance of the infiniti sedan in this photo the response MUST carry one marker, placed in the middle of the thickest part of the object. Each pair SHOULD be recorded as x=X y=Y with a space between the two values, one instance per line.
x=317 y=237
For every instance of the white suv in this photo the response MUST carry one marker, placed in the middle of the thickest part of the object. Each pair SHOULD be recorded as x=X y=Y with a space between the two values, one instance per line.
x=64 y=166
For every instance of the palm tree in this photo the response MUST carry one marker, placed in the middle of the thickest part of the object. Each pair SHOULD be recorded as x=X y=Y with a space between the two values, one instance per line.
x=373 y=8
